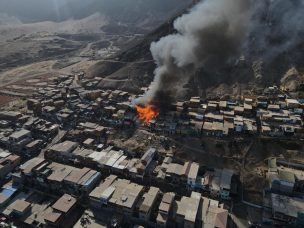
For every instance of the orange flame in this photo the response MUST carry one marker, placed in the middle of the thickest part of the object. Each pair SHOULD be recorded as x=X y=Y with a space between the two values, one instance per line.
x=146 y=113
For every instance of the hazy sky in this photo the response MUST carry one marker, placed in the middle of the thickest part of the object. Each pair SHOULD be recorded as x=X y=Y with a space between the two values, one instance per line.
x=30 y=9
x=37 y=10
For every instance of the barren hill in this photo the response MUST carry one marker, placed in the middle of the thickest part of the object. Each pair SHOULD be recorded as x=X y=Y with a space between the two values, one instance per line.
x=132 y=68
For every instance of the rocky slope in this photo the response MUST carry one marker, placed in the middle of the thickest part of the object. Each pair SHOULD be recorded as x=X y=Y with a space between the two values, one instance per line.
x=133 y=67
x=241 y=76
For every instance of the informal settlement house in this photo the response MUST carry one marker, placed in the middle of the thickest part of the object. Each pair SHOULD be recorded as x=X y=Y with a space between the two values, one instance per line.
x=198 y=211
x=110 y=159
x=287 y=209
x=54 y=176
x=257 y=115
x=165 y=209
x=19 y=139
x=8 y=162
x=116 y=194
x=283 y=199
x=181 y=174
x=7 y=192
x=218 y=182
x=63 y=208
x=221 y=183
x=34 y=209
x=147 y=206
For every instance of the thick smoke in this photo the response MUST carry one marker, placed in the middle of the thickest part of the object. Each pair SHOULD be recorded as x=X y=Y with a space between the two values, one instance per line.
x=276 y=26
x=215 y=32
x=207 y=36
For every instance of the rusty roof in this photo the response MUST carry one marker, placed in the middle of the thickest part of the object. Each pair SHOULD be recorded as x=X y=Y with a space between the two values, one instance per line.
x=20 y=205
x=76 y=175
x=98 y=191
x=65 y=203
x=52 y=217
x=60 y=173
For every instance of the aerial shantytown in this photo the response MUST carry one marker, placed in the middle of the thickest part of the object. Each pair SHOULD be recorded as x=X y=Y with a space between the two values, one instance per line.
x=151 y=113
x=79 y=156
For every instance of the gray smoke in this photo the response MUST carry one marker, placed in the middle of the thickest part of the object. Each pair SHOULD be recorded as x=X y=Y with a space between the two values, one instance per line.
x=215 y=32
x=207 y=36
x=276 y=26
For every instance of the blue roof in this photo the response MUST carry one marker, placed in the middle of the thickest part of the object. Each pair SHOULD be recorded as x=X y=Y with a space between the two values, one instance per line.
x=7 y=191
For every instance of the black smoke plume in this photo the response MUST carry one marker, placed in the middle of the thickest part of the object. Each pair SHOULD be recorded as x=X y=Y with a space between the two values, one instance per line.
x=215 y=32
